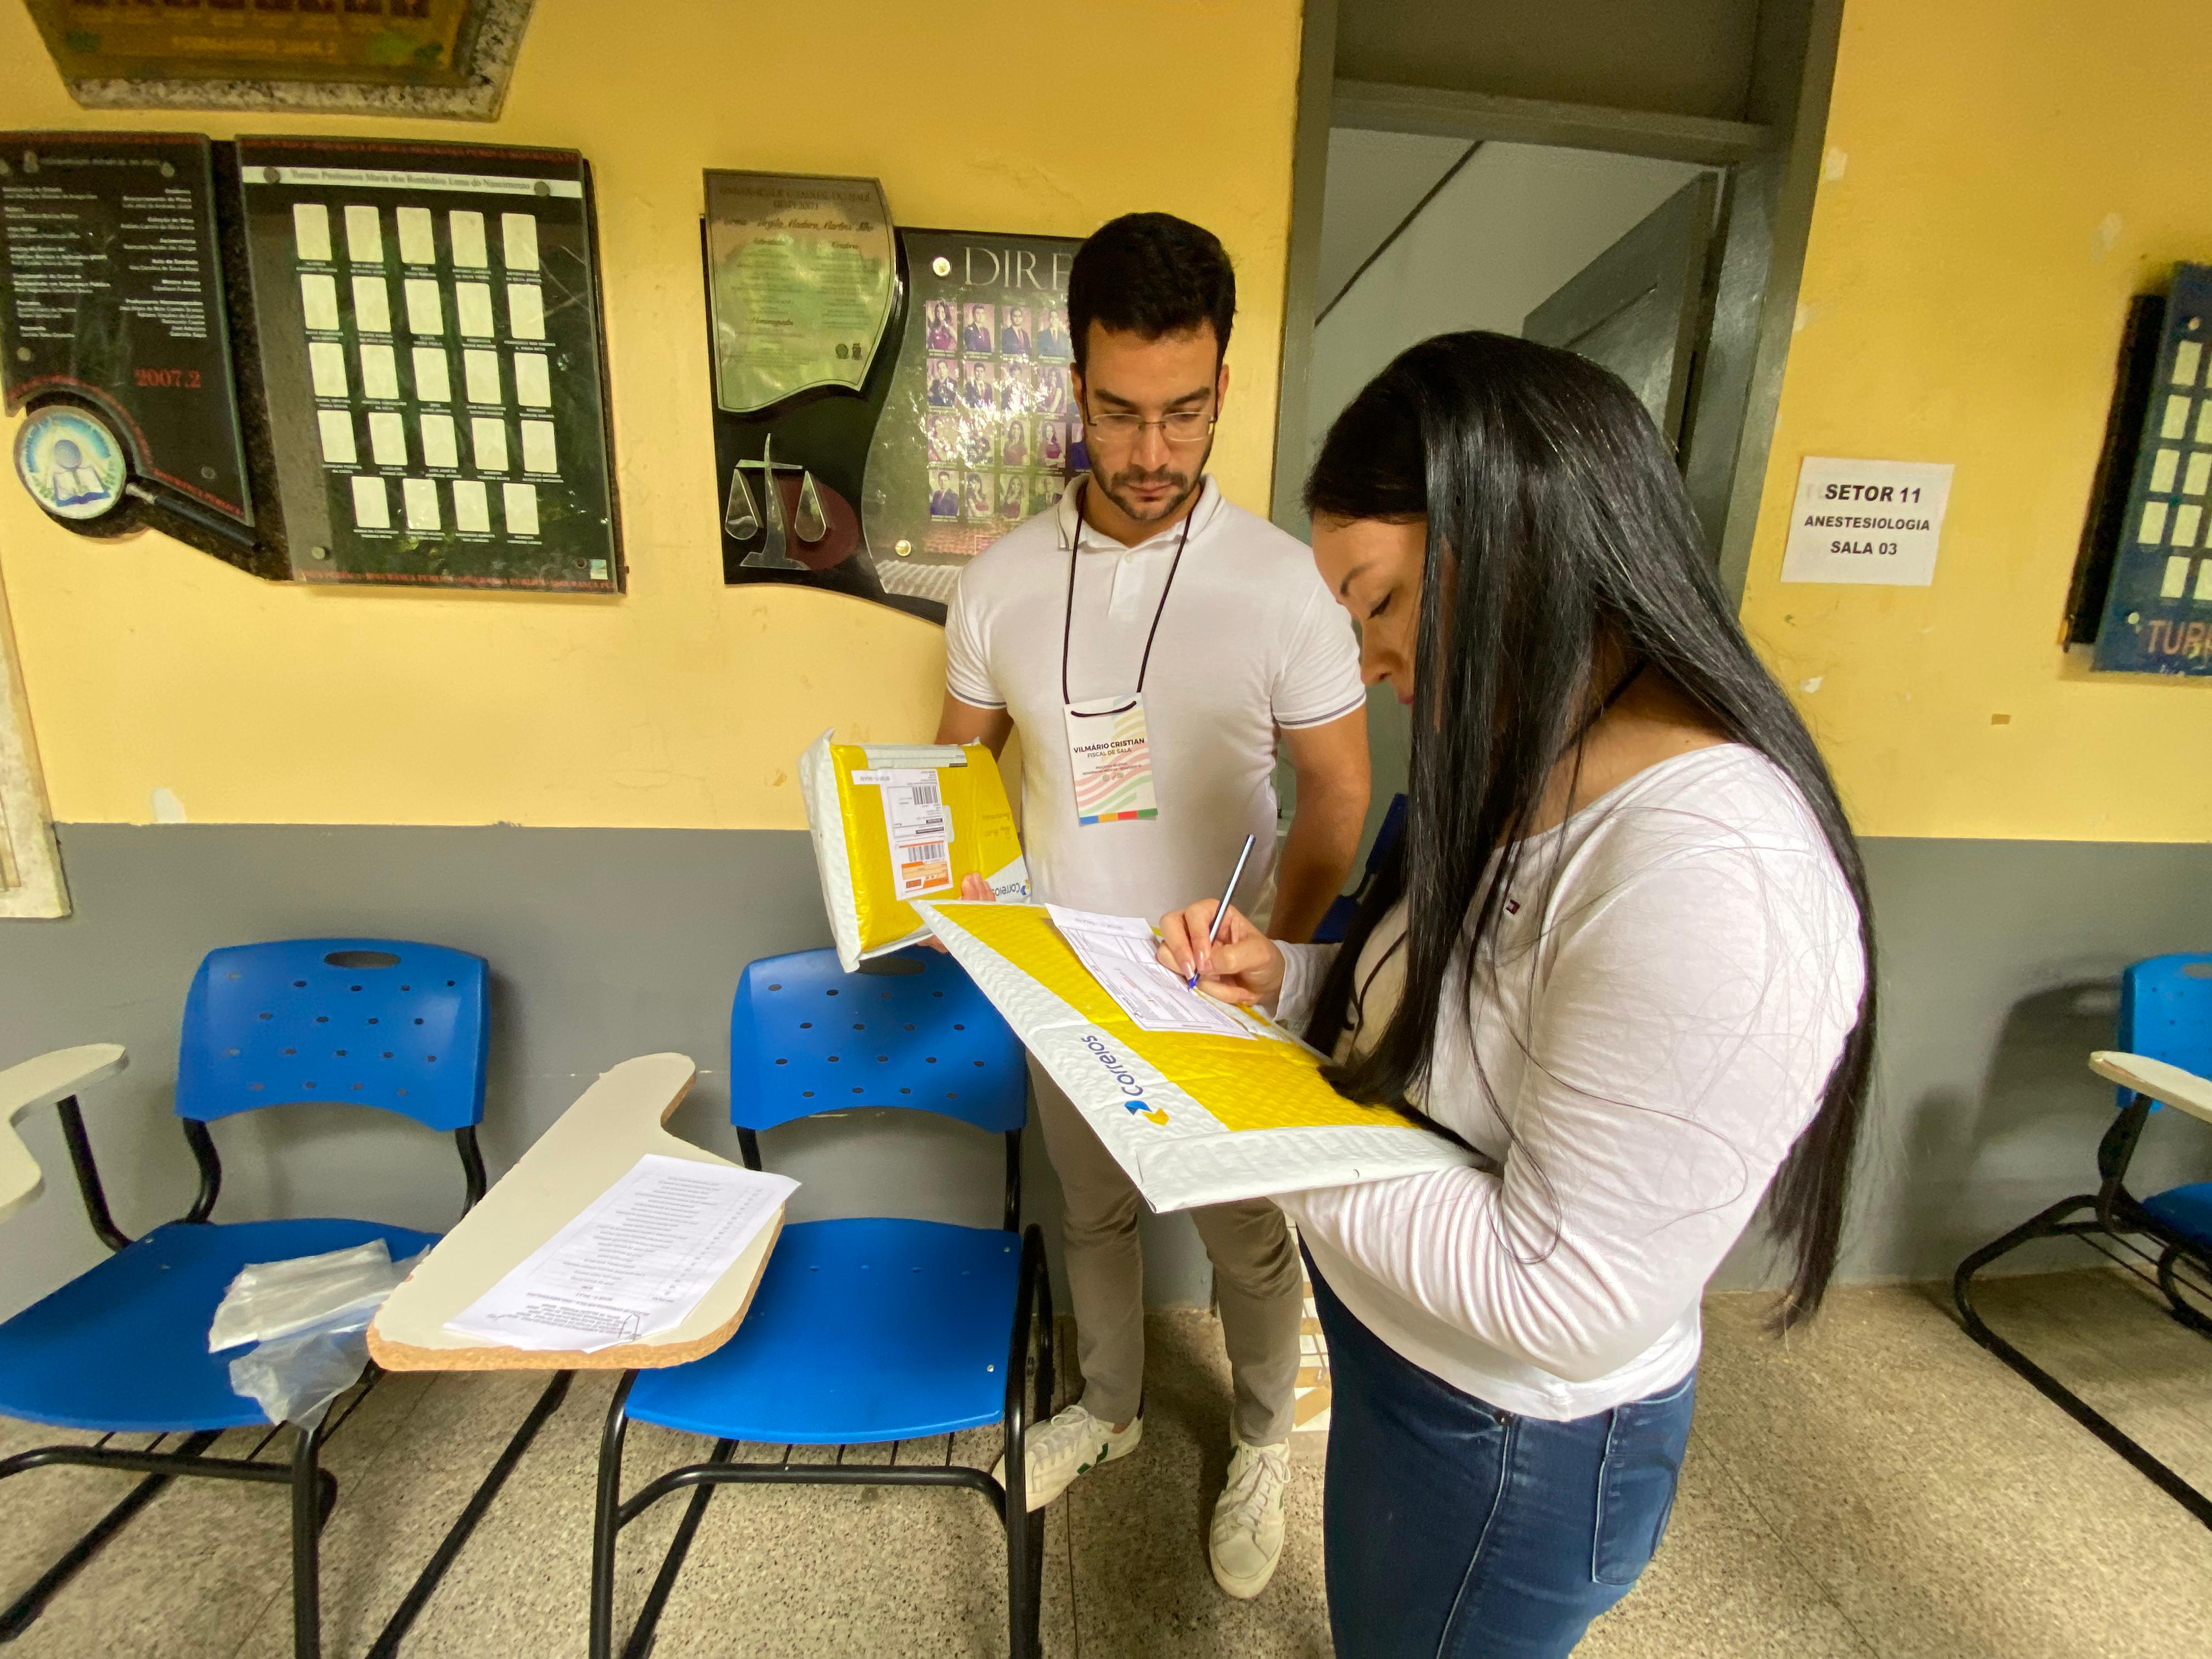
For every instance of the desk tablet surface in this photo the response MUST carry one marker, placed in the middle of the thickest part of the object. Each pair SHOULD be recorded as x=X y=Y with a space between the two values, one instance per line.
x=615 y=1122
x=35 y=1082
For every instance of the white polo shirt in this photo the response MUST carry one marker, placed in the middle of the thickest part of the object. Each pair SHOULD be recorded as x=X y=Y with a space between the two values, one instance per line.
x=1249 y=640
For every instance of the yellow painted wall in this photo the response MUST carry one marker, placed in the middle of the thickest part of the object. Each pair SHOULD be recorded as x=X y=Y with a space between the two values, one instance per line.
x=151 y=666
x=2010 y=172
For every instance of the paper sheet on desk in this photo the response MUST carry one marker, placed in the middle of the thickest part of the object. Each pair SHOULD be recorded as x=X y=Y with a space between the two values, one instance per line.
x=632 y=1264
x=1119 y=952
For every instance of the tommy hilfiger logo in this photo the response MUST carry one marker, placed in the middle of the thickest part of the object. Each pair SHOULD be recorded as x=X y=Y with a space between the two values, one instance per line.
x=1513 y=907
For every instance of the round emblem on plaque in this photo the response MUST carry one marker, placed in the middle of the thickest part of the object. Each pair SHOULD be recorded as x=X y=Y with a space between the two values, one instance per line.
x=941 y=265
x=69 y=461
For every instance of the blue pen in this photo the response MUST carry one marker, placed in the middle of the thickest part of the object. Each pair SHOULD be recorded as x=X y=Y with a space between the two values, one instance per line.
x=1221 y=911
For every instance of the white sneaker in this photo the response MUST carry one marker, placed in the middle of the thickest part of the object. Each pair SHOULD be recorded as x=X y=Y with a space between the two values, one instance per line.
x=1247 y=1540
x=1074 y=1442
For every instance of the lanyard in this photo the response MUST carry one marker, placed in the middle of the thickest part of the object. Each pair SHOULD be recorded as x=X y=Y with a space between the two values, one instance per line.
x=1067 y=622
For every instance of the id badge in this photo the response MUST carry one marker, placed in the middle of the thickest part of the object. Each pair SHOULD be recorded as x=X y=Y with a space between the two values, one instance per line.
x=1110 y=754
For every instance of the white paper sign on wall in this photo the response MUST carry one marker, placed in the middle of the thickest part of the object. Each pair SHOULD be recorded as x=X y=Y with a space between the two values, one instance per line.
x=1867 y=521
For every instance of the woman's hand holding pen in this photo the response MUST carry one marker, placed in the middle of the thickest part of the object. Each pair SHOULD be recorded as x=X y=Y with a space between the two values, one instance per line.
x=1243 y=965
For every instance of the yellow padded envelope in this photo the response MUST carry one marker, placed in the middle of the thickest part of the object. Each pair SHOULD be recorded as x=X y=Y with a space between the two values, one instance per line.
x=1192 y=1118
x=852 y=845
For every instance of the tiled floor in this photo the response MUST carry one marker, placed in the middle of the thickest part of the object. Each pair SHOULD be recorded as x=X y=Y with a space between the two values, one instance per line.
x=1878 y=1488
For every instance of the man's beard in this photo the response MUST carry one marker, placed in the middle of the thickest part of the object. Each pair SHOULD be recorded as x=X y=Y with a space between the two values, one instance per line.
x=1183 y=484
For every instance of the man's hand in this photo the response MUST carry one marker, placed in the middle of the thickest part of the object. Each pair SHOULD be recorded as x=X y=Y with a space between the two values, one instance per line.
x=964 y=723
x=975 y=890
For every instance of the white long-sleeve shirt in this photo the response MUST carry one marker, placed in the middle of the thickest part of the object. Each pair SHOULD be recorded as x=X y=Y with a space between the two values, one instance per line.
x=1677 y=970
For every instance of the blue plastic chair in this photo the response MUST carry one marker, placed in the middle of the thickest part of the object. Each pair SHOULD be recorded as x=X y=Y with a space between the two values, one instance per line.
x=2165 y=1014
x=1336 y=920
x=865 y=1329
x=122 y=1348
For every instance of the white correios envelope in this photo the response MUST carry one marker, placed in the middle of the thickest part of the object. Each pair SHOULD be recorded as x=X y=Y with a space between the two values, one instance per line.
x=1297 y=1133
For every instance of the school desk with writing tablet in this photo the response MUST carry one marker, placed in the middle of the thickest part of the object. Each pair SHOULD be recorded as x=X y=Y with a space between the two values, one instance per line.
x=614 y=1123
x=55 y=1076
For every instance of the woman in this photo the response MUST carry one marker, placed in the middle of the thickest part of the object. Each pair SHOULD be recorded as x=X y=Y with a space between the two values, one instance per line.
x=1620 y=953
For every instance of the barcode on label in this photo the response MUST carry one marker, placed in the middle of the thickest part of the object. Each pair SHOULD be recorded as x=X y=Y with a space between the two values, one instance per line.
x=924 y=794
x=922 y=867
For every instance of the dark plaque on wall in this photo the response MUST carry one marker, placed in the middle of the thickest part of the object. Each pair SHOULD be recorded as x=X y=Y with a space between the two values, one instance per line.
x=978 y=429
x=2152 y=530
x=111 y=305
x=428 y=318
x=872 y=459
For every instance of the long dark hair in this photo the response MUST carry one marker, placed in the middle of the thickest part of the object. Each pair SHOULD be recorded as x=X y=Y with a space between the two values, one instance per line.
x=1558 y=528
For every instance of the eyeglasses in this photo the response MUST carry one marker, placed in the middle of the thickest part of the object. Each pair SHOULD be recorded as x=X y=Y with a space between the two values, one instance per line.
x=1120 y=430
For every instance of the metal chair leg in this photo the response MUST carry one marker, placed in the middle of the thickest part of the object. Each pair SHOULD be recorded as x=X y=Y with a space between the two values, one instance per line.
x=664 y=1581
x=2044 y=1224
x=1046 y=1380
x=2183 y=1312
x=1025 y=1530
x=314 y=1495
x=607 y=1522
x=2052 y=1223
x=24 y=1611
x=1021 y=1613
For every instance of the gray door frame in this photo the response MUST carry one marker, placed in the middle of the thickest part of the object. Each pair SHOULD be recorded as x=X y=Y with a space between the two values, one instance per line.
x=1770 y=170
x=1665 y=256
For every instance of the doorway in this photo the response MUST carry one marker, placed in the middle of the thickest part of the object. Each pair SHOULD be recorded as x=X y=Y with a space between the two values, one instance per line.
x=1631 y=180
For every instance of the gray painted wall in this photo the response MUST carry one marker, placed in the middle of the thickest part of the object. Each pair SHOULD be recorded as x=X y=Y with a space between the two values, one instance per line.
x=1999 y=966
x=603 y=945
x=1998 y=977
x=1996 y=970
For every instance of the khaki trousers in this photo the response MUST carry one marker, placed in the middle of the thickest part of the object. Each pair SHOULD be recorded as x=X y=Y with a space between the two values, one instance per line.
x=1255 y=1277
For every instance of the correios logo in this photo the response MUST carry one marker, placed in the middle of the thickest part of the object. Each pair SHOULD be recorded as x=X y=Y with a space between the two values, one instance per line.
x=1133 y=1092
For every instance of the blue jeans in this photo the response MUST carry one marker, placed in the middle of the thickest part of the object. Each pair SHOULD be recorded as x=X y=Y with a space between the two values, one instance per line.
x=1454 y=1530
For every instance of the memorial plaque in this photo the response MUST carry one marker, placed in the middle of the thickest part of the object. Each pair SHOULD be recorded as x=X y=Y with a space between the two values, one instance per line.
x=428 y=323
x=375 y=42
x=111 y=295
x=801 y=280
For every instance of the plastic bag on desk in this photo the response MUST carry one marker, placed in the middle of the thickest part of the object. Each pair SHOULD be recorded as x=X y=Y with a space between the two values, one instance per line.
x=275 y=1298
x=310 y=1314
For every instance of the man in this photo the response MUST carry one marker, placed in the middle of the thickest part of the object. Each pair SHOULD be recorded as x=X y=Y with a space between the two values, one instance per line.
x=1144 y=586
x=1051 y=342
x=976 y=335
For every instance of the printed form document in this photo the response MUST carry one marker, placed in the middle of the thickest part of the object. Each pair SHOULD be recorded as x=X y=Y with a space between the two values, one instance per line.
x=1119 y=952
x=634 y=1263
